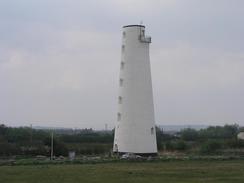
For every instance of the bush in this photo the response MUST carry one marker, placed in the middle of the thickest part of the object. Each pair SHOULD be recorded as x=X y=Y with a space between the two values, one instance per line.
x=210 y=146
x=189 y=134
x=169 y=146
x=234 y=143
x=219 y=132
x=180 y=145
x=59 y=148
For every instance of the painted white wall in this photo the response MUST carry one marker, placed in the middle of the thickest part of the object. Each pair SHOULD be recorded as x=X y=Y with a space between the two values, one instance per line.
x=133 y=131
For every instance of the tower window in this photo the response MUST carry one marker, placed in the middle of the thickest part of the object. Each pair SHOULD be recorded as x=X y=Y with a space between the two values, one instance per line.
x=120 y=100
x=121 y=82
x=119 y=116
x=143 y=32
x=152 y=131
x=122 y=65
x=124 y=34
x=123 y=48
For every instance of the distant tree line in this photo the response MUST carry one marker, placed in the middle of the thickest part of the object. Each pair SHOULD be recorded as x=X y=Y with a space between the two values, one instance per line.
x=212 y=140
x=30 y=142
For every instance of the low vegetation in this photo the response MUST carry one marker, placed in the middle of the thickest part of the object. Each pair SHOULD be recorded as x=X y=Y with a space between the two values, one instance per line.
x=143 y=172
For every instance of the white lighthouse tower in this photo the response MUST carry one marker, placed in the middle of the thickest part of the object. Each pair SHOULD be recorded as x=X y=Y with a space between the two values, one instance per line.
x=135 y=128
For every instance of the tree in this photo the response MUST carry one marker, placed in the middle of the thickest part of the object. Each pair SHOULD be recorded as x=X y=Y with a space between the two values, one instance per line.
x=210 y=146
x=59 y=147
x=189 y=134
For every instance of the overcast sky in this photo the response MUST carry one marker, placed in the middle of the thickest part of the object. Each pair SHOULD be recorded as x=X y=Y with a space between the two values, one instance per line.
x=59 y=60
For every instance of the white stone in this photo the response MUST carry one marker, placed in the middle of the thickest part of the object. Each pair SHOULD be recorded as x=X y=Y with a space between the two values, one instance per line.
x=135 y=128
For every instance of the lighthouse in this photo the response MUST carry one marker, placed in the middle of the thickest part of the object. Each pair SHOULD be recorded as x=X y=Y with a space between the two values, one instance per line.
x=135 y=130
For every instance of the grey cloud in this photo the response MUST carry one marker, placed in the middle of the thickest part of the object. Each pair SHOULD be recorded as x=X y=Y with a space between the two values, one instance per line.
x=59 y=60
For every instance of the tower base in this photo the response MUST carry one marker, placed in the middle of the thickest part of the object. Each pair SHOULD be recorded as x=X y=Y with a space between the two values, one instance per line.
x=140 y=154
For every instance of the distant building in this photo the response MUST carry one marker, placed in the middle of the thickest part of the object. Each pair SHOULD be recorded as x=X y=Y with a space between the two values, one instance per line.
x=241 y=136
x=135 y=128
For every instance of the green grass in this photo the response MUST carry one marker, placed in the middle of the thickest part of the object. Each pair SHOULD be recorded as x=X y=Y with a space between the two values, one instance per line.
x=126 y=172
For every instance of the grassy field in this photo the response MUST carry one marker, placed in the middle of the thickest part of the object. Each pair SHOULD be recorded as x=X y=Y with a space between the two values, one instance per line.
x=126 y=172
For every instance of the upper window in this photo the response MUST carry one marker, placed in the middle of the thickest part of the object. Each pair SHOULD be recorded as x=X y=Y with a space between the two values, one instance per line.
x=119 y=116
x=123 y=48
x=121 y=81
x=122 y=65
x=120 y=100
x=124 y=34
x=143 y=32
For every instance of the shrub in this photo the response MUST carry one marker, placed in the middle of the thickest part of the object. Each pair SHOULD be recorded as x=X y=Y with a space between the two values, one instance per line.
x=180 y=145
x=189 y=134
x=210 y=146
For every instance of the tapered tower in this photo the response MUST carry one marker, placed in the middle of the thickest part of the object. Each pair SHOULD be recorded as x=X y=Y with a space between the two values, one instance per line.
x=135 y=128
